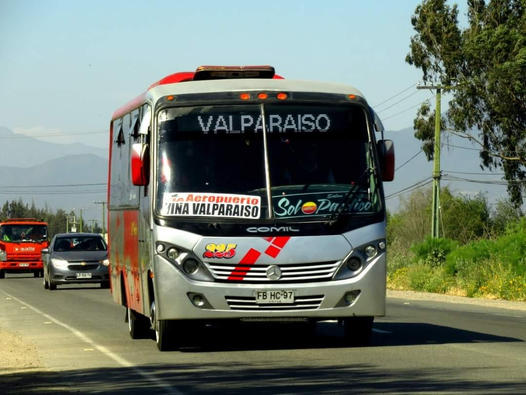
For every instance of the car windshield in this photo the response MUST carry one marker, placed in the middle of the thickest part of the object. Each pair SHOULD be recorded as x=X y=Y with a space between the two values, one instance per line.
x=79 y=243
x=211 y=161
x=23 y=232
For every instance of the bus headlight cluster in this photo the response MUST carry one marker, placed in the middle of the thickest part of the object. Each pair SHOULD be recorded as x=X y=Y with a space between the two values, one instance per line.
x=183 y=260
x=359 y=258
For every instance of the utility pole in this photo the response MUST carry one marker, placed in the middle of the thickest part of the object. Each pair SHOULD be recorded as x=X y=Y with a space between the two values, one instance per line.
x=435 y=208
x=103 y=216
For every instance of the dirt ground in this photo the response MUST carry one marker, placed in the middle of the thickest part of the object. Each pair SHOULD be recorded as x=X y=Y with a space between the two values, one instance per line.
x=17 y=354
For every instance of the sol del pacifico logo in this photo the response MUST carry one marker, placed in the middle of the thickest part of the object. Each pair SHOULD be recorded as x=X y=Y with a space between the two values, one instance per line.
x=309 y=208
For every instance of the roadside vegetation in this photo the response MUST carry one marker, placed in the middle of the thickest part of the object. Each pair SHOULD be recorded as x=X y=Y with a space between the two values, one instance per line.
x=482 y=251
x=57 y=221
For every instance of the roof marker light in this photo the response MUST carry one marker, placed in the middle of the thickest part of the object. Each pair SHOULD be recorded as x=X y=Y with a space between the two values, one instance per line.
x=351 y=96
x=262 y=96
x=244 y=96
x=282 y=96
x=170 y=98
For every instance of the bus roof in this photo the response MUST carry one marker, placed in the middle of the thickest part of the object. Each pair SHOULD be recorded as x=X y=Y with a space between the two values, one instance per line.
x=182 y=83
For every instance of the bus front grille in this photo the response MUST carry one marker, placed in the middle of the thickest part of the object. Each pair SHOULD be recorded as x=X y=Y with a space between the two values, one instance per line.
x=299 y=272
x=248 y=303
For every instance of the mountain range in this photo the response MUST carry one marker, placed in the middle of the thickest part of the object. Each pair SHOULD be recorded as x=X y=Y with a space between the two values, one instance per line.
x=73 y=176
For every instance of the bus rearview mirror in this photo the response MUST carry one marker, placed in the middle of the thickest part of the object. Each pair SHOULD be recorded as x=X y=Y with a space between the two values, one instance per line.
x=387 y=159
x=140 y=164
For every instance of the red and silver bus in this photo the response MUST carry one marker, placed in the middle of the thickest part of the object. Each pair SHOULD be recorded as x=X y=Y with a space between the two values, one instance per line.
x=235 y=194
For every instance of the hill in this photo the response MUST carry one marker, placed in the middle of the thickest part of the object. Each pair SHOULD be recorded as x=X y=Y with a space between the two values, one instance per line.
x=24 y=151
x=69 y=182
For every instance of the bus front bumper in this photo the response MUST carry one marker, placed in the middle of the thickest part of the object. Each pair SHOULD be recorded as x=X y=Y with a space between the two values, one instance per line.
x=178 y=297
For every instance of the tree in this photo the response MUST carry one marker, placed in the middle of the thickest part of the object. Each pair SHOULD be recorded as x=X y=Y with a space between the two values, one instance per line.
x=485 y=65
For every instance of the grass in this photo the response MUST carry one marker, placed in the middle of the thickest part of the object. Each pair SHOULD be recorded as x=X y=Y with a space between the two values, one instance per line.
x=483 y=268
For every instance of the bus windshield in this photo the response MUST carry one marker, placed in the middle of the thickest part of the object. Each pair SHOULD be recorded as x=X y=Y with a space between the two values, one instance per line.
x=211 y=161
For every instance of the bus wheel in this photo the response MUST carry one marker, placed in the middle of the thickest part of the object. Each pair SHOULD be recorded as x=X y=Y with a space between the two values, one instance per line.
x=138 y=325
x=358 y=330
x=2 y=274
x=163 y=335
x=36 y=274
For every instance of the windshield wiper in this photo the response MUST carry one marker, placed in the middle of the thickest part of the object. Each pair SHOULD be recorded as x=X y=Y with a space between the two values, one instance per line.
x=355 y=187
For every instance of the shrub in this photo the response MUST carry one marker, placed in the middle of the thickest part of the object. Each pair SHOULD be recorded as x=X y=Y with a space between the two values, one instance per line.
x=433 y=252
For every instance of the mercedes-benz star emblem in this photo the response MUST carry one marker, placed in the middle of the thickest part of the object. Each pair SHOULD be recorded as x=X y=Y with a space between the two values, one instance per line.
x=273 y=273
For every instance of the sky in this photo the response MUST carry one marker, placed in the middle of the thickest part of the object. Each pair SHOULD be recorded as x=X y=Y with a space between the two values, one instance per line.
x=67 y=65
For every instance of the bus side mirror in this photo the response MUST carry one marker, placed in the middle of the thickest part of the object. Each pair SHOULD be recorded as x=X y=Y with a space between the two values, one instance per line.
x=387 y=159
x=44 y=251
x=140 y=164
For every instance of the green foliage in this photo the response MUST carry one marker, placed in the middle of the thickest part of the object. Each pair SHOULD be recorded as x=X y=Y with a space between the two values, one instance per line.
x=433 y=252
x=471 y=264
x=485 y=63
x=463 y=218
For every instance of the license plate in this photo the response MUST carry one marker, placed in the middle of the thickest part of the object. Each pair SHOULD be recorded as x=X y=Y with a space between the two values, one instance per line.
x=24 y=265
x=275 y=296
x=83 y=275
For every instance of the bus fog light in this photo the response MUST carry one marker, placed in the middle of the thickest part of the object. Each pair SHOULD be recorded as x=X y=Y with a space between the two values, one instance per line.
x=381 y=245
x=197 y=300
x=354 y=264
x=160 y=248
x=190 y=266
x=351 y=296
x=172 y=253
x=370 y=251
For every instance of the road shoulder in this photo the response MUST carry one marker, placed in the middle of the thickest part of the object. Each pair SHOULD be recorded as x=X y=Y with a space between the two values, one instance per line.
x=413 y=295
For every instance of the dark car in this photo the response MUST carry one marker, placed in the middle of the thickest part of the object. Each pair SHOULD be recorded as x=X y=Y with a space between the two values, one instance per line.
x=75 y=258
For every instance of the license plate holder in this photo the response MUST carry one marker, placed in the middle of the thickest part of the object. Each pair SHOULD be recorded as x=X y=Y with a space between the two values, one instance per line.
x=24 y=265
x=274 y=296
x=83 y=275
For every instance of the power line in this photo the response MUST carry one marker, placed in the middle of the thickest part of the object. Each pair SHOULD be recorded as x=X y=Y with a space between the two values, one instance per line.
x=24 y=136
x=399 y=101
x=473 y=173
x=489 y=182
x=399 y=93
x=54 y=186
x=409 y=160
x=410 y=188
x=405 y=110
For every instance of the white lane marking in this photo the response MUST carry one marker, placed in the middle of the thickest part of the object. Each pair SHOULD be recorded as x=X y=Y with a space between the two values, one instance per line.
x=381 y=331
x=121 y=361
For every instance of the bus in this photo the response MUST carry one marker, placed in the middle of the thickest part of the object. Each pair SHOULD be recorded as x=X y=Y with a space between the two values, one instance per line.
x=236 y=194
x=21 y=243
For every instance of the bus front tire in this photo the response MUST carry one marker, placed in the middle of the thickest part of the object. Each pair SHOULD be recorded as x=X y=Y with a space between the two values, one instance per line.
x=2 y=274
x=164 y=335
x=358 y=330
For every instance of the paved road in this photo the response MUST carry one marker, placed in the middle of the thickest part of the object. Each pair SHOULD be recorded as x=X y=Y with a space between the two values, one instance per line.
x=424 y=346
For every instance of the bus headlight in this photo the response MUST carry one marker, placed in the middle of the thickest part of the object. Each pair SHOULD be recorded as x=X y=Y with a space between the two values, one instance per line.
x=359 y=258
x=185 y=261
x=190 y=266
x=3 y=256
x=354 y=264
